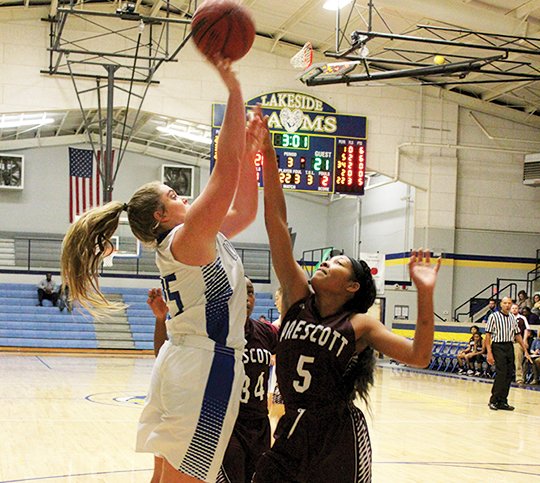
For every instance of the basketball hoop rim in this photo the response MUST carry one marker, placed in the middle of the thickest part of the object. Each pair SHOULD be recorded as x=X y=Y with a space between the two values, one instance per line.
x=304 y=57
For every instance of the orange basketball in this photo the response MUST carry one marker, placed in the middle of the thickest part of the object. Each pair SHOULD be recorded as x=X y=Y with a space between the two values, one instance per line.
x=223 y=27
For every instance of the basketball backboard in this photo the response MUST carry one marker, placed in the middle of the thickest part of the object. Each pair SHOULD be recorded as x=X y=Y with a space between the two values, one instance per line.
x=326 y=70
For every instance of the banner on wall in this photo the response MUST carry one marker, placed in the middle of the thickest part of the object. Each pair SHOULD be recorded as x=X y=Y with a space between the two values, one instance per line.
x=376 y=262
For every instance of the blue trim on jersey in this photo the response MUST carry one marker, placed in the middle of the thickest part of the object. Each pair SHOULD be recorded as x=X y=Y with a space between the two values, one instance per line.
x=203 y=445
x=218 y=293
x=162 y=237
x=171 y=296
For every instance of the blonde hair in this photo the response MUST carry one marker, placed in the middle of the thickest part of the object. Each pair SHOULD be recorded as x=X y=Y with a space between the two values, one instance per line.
x=87 y=243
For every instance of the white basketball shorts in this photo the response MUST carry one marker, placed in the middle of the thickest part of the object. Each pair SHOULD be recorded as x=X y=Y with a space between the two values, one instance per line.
x=192 y=405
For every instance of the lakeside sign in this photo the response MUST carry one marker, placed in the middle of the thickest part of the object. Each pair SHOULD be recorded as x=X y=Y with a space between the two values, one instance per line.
x=318 y=150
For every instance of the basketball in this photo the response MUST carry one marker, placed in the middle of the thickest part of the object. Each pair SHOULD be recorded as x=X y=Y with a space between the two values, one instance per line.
x=223 y=27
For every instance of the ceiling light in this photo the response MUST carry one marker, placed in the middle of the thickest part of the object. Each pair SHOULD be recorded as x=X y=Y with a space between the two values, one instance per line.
x=336 y=4
x=199 y=138
x=19 y=121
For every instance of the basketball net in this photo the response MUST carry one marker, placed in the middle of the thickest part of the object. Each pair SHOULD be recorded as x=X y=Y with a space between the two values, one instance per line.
x=303 y=58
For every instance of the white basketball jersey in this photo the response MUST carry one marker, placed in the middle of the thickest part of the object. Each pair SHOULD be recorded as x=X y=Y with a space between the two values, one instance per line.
x=208 y=300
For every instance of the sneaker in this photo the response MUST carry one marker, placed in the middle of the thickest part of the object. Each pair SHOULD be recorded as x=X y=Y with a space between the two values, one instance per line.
x=505 y=407
x=534 y=382
x=470 y=372
x=477 y=373
x=461 y=370
x=493 y=406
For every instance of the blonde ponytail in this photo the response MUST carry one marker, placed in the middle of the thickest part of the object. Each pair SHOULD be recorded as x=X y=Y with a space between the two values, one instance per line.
x=85 y=245
x=88 y=242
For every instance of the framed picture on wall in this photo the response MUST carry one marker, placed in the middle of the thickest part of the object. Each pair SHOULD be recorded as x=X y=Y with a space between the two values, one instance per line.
x=11 y=171
x=179 y=178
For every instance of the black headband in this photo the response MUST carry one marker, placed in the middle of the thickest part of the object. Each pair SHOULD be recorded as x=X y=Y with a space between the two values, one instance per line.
x=358 y=269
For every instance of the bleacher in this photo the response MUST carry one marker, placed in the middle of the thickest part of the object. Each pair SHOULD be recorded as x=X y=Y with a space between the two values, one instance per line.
x=264 y=305
x=39 y=252
x=25 y=325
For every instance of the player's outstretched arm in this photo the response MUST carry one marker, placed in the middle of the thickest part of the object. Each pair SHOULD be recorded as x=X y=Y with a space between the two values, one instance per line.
x=207 y=213
x=424 y=276
x=159 y=308
x=244 y=206
x=291 y=277
x=418 y=351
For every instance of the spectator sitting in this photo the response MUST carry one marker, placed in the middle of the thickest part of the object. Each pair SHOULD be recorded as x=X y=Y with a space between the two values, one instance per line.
x=534 y=351
x=533 y=319
x=536 y=306
x=492 y=308
x=523 y=325
x=63 y=299
x=47 y=290
x=523 y=300
x=472 y=356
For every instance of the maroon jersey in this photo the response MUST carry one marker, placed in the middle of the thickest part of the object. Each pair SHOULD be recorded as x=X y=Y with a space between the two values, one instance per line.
x=261 y=343
x=312 y=355
x=321 y=437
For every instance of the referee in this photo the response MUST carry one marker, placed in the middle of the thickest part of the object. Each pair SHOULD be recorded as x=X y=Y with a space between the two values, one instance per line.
x=501 y=332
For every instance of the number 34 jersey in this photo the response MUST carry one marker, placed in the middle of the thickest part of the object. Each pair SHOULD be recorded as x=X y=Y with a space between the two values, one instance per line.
x=312 y=355
x=261 y=341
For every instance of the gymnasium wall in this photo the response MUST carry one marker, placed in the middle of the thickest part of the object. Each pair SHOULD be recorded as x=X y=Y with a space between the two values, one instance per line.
x=460 y=189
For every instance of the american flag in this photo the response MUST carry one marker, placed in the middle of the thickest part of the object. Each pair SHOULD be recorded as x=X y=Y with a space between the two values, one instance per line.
x=84 y=183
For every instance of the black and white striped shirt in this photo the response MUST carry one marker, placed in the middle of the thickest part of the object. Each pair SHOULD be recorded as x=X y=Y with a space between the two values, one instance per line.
x=503 y=328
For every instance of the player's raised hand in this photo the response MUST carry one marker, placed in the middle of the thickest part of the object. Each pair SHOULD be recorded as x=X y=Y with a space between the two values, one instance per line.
x=267 y=145
x=422 y=272
x=224 y=67
x=157 y=304
x=255 y=132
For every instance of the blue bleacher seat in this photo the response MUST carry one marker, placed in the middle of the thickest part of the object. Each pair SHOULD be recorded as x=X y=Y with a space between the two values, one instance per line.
x=22 y=324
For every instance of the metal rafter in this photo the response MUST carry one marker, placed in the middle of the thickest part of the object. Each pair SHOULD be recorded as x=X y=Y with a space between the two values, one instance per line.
x=524 y=10
x=302 y=12
x=476 y=57
x=148 y=38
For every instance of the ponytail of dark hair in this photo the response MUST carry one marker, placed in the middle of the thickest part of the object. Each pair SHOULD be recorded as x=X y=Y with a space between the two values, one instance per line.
x=358 y=377
x=365 y=296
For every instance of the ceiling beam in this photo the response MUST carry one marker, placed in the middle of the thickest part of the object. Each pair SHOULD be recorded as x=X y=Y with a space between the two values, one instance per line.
x=61 y=125
x=156 y=7
x=494 y=93
x=43 y=141
x=53 y=9
x=523 y=11
x=481 y=106
x=456 y=13
x=300 y=13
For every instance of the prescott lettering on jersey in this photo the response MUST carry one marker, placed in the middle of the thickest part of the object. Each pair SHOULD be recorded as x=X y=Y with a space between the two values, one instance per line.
x=257 y=355
x=319 y=334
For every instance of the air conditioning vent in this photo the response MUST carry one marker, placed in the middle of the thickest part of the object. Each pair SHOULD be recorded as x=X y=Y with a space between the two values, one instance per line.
x=531 y=170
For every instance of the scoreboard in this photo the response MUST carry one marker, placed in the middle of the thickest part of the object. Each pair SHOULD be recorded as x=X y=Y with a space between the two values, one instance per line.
x=318 y=150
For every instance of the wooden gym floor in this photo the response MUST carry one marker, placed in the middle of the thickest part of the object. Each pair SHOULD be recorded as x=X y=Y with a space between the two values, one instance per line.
x=73 y=419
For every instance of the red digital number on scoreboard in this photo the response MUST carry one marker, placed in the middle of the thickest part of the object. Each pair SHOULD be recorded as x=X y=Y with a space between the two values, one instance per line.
x=350 y=166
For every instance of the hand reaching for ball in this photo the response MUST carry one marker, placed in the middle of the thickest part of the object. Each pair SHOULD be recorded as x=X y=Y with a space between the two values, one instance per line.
x=255 y=132
x=224 y=67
